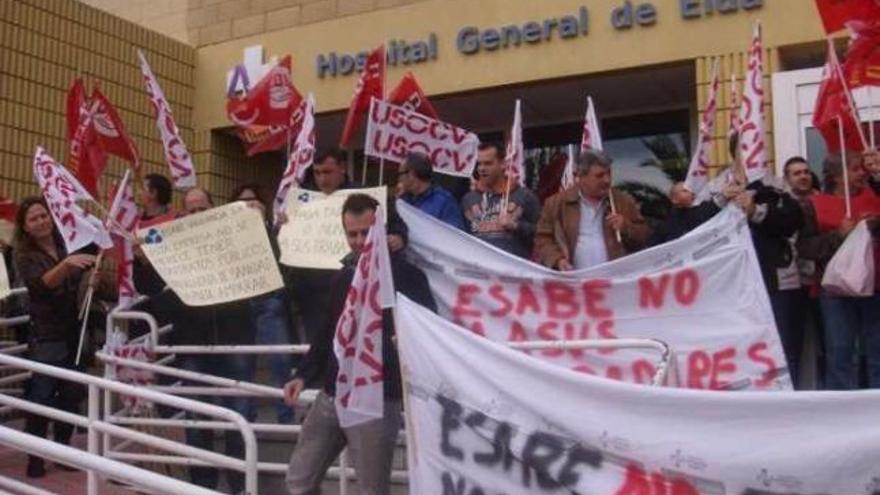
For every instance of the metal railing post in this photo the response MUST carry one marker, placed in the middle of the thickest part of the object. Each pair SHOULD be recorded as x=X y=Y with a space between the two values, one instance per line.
x=94 y=417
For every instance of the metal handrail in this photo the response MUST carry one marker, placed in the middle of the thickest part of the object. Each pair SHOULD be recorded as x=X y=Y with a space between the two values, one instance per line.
x=96 y=425
x=135 y=476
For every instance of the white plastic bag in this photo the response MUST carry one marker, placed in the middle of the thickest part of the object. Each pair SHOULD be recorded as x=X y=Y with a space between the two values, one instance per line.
x=851 y=270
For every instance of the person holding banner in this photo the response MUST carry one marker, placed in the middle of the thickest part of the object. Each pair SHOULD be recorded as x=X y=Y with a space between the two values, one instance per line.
x=511 y=229
x=578 y=229
x=416 y=179
x=684 y=216
x=52 y=277
x=825 y=228
x=270 y=311
x=221 y=324
x=322 y=438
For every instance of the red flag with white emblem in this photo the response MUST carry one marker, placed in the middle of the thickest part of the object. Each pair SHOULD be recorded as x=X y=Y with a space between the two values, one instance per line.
x=371 y=84
x=176 y=155
x=269 y=103
x=839 y=14
x=358 y=338
x=834 y=109
x=409 y=95
x=122 y=220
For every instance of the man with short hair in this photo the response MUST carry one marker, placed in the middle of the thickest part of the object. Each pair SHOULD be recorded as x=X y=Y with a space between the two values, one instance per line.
x=328 y=172
x=799 y=178
x=416 y=178
x=578 y=227
x=219 y=324
x=371 y=444
x=498 y=211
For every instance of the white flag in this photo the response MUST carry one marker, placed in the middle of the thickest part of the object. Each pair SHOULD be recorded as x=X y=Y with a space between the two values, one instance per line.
x=78 y=228
x=752 y=141
x=698 y=171
x=302 y=154
x=122 y=222
x=591 y=139
x=178 y=158
x=358 y=339
x=79 y=192
x=514 y=161
x=568 y=173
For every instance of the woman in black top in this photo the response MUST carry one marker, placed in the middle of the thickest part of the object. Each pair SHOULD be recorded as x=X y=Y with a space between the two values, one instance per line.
x=52 y=278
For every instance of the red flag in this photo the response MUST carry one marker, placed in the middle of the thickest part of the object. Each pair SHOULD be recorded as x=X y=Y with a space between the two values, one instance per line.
x=834 y=108
x=76 y=101
x=370 y=84
x=262 y=138
x=270 y=102
x=862 y=64
x=109 y=130
x=839 y=14
x=85 y=156
x=409 y=95
x=7 y=209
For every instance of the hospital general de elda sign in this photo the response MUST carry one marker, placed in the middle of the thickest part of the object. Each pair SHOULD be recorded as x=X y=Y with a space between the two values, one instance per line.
x=473 y=40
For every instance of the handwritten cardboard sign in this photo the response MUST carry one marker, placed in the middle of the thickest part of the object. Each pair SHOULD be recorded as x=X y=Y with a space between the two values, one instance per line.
x=216 y=256
x=313 y=236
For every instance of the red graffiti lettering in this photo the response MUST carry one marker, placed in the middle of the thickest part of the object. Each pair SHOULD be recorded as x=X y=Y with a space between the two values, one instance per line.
x=722 y=364
x=464 y=301
x=594 y=297
x=685 y=289
x=756 y=355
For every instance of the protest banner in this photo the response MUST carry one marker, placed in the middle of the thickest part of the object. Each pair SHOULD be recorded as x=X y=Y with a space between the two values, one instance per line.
x=482 y=418
x=216 y=256
x=313 y=236
x=701 y=294
x=393 y=131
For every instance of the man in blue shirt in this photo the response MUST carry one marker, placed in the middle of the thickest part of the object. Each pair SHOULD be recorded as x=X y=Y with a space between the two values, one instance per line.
x=415 y=177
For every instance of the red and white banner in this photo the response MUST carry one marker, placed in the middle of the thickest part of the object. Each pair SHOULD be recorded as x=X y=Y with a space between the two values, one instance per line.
x=122 y=221
x=358 y=338
x=483 y=418
x=370 y=84
x=752 y=139
x=85 y=156
x=591 y=139
x=77 y=228
x=394 y=131
x=176 y=155
x=302 y=154
x=408 y=94
x=514 y=160
x=698 y=171
x=669 y=292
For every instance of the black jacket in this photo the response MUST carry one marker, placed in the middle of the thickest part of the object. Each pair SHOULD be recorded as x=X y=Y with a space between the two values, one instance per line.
x=319 y=366
x=681 y=221
x=777 y=217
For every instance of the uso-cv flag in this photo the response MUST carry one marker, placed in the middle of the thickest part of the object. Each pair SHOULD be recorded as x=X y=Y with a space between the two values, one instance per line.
x=702 y=294
x=393 y=131
x=482 y=418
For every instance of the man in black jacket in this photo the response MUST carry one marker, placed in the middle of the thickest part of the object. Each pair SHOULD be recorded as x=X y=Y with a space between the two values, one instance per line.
x=371 y=444
x=684 y=216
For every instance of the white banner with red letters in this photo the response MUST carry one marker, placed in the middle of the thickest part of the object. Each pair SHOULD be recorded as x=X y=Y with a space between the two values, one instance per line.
x=394 y=131
x=702 y=294
x=77 y=228
x=358 y=339
x=482 y=418
x=178 y=158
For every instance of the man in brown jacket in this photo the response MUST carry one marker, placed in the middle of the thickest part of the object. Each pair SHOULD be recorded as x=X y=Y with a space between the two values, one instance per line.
x=578 y=227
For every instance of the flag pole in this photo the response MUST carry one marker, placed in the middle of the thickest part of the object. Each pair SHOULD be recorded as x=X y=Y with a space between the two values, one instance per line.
x=845 y=169
x=87 y=305
x=849 y=98
x=384 y=70
x=871 y=109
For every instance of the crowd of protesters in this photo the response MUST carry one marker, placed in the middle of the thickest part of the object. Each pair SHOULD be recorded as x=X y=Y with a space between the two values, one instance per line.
x=797 y=225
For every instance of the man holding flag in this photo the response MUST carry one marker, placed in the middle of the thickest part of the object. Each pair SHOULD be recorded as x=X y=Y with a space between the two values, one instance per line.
x=360 y=400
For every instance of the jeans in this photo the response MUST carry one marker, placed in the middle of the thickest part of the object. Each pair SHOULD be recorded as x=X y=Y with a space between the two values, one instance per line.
x=53 y=392
x=233 y=366
x=273 y=328
x=371 y=447
x=846 y=319
x=789 y=312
